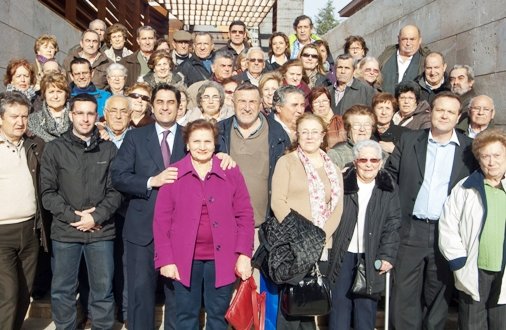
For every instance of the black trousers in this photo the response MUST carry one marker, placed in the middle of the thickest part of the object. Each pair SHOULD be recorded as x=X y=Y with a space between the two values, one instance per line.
x=486 y=313
x=423 y=283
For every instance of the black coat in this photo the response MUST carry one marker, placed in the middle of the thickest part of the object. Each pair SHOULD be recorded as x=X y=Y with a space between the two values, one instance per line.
x=382 y=222
x=193 y=70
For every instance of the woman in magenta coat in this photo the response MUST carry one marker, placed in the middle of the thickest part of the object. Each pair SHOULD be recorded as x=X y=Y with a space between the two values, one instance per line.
x=203 y=230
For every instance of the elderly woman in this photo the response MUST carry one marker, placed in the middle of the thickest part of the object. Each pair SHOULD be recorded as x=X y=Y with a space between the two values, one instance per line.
x=293 y=74
x=210 y=101
x=306 y=180
x=472 y=236
x=53 y=118
x=319 y=100
x=268 y=85
x=46 y=47
x=115 y=37
x=384 y=105
x=203 y=230
x=160 y=63
x=368 y=71
x=359 y=123
x=367 y=233
x=20 y=76
x=140 y=98
x=313 y=66
x=356 y=47
x=279 y=51
x=412 y=113
x=116 y=78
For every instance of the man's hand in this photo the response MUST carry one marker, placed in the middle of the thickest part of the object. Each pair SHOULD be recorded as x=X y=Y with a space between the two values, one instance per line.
x=87 y=223
x=169 y=175
x=385 y=267
x=387 y=146
x=243 y=267
x=170 y=271
x=226 y=161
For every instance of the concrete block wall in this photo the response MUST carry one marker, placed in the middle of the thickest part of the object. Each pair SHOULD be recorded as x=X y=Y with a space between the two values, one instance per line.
x=466 y=32
x=21 y=22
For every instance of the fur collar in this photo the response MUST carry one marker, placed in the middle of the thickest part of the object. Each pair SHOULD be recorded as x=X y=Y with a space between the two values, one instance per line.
x=383 y=181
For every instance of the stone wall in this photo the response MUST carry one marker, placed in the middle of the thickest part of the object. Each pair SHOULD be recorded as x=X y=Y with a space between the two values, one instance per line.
x=21 y=22
x=466 y=32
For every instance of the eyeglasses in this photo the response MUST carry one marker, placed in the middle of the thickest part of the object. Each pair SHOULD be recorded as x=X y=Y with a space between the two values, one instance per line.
x=371 y=70
x=478 y=109
x=258 y=60
x=365 y=160
x=306 y=55
x=136 y=96
x=366 y=126
x=310 y=133
x=207 y=98
x=237 y=32
x=116 y=77
x=322 y=102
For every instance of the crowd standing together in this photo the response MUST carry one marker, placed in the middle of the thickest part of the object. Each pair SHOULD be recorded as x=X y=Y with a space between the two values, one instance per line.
x=159 y=166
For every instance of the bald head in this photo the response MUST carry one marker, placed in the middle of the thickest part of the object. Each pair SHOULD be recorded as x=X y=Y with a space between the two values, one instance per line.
x=409 y=40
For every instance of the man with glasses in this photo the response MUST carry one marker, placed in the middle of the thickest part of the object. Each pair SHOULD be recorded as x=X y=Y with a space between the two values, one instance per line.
x=81 y=73
x=181 y=42
x=237 y=35
x=481 y=116
x=89 y=49
x=256 y=65
x=199 y=66
x=348 y=91
x=426 y=165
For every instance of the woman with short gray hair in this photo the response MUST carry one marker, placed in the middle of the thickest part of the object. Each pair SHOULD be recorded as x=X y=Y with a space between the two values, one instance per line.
x=116 y=78
x=367 y=238
x=210 y=101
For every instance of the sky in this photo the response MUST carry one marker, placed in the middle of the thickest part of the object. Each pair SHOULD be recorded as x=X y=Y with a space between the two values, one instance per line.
x=312 y=7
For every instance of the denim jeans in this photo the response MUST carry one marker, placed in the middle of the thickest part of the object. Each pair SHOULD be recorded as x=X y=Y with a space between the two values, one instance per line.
x=100 y=265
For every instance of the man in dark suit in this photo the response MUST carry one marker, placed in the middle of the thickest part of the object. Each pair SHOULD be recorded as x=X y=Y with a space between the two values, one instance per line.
x=138 y=171
x=426 y=164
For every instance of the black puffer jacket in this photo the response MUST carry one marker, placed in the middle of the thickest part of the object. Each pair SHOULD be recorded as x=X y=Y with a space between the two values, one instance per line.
x=382 y=222
x=75 y=176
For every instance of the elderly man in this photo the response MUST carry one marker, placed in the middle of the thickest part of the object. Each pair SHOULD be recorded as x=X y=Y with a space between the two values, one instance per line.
x=21 y=210
x=81 y=73
x=137 y=63
x=481 y=116
x=348 y=91
x=100 y=28
x=404 y=61
x=289 y=103
x=426 y=165
x=117 y=118
x=89 y=48
x=462 y=82
x=434 y=79
x=76 y=188
x=237 y=35
x=303 y=26
x=198 y=66
x=181 y=42
x=256 y=64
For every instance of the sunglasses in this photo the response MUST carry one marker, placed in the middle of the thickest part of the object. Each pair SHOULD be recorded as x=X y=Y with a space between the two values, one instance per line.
x=136 y=96
x=315 y=56
x=236 y=32
x=365 y=160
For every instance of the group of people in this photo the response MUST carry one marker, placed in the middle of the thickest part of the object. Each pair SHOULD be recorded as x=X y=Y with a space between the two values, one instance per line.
x=160 y=165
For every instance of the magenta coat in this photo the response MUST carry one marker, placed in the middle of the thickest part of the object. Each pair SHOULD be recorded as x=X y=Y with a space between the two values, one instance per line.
x=177 y=216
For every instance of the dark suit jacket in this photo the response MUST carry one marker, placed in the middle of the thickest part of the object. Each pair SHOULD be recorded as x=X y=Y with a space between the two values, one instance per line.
x=357 y=93
x=139 y=158
x=407 y=166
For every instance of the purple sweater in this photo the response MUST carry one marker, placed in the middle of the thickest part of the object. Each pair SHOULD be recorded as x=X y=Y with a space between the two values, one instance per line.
x=177 y=216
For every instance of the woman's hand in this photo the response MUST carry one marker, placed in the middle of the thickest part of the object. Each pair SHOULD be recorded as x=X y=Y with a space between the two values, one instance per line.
x=170 y=271
x=385 y=267
x=243 y=267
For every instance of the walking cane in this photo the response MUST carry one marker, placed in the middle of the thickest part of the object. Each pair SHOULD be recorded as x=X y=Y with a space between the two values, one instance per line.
x=387 y=300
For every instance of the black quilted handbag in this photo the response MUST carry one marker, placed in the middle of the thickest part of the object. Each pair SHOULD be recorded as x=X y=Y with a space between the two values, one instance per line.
x=310 y=297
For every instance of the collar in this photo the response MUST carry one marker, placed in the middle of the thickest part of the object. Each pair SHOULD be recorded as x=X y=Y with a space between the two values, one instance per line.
x=399 y=55
x=348 y=84
x=276 y=118
x=454 y=139
x=186 y=167
x=235 y=125
x=160 y=129
x=3 y=139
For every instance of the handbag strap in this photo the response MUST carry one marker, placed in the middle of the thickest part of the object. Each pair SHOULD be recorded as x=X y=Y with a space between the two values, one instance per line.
x=258 y=320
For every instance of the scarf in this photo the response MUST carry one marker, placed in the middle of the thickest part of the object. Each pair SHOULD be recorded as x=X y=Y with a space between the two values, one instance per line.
x=42 y=59
x=49 y=123
x=29 y=93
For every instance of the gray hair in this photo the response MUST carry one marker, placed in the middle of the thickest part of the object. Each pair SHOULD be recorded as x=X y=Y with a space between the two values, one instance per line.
x=11 y=98
x=110 y=99
x=223 y=54
x=256 y=49
x=145 y=28
x=202 y=34
x=469 y=70
x=345 y=57
x=279 y=97
x=210 y=84
x=89 y=31
x=357 y=148
x=488 y=98
x=95 y=21
x=117 y=66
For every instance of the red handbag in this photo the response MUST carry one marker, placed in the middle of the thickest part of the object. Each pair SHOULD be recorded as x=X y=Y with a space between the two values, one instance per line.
x=247 y=309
